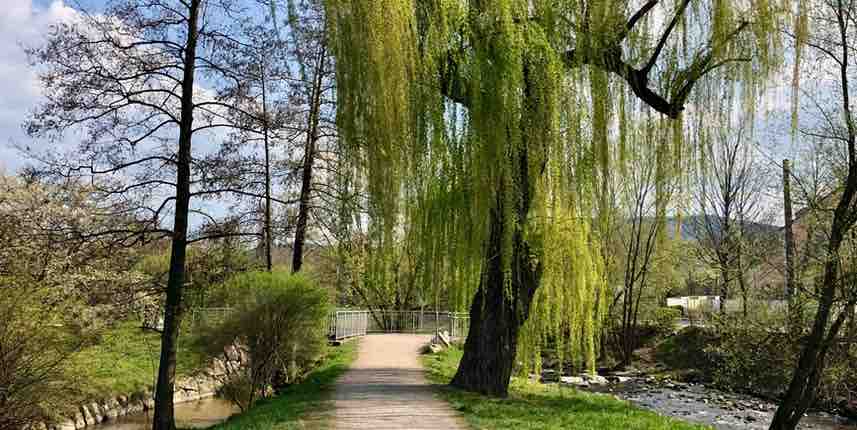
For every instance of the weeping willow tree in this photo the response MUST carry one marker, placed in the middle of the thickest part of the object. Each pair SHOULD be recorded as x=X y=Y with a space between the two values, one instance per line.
x=491 y=128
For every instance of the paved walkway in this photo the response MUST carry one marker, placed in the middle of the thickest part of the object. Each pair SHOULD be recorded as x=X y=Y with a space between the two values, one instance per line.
x=386 y=389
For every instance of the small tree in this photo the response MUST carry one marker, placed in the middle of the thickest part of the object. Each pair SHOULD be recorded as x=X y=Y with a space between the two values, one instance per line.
x=640 y=227
x=280 y=321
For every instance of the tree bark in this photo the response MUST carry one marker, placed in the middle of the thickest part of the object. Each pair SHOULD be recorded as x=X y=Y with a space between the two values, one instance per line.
x=501 y=306
x=269 y=239
x=164 y=418
x=495 y=318
x=309 y=159
x=789 y=242
x=802 y=389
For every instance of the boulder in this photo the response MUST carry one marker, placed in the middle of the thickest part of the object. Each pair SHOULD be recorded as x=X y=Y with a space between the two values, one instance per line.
x=87 y=416
x=135 y=406
x=576 y=381
x=79 y=422
x=550 y=375
x=96 y=412
x=594 y=379
x=218 y=368
x=232 y=353
x=66 y=425
x=149 y=403
x=110 y=409
x=123 y=405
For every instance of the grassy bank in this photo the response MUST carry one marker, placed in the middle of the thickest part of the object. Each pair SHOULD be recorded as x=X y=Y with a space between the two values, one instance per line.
x=300 y=406
x=532 y=405
x=124 y=359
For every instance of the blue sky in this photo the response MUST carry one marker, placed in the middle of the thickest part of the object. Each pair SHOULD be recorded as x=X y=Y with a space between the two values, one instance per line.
x=22 y=22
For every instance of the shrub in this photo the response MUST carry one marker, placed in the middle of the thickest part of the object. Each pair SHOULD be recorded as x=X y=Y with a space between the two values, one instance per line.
x=33 y=350
x=751 y=355
x=664 y=319
x=279 y=320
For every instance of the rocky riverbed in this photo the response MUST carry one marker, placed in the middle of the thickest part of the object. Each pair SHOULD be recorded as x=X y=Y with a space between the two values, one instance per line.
x=699 y=403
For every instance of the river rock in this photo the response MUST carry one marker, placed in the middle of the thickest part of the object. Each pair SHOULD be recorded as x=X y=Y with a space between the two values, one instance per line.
x=79 y=422
x=577 y=381
x=123 y=405
x=594 y=379
x=66 y=425
x=87 y=416
x=135 y=406
x=232 y=353
x=549 y=375
x=110 y=408
x=96 y=412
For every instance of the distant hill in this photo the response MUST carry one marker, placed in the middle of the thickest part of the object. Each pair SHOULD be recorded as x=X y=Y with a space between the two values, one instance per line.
x=693 y=226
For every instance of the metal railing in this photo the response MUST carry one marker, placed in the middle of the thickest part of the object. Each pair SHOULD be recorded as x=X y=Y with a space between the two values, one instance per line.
x=350 y=323
x=208 y=316
x=344 y=324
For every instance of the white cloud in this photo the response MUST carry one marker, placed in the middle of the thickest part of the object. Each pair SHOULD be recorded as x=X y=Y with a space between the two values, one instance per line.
x=21 y=24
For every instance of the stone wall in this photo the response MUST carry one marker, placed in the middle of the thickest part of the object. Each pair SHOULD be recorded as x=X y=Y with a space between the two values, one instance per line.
x=198 y=386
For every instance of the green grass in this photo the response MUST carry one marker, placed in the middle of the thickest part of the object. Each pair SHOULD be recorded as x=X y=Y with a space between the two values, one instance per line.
x=124 y=360
x=531 y=405
x=302 y=405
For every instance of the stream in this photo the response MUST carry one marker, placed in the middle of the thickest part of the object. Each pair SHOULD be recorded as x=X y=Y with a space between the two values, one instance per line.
x=198 y=414
x=701 y=404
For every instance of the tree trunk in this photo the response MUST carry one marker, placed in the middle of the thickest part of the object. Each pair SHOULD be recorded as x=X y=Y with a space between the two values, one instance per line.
x=804 y=383
x=495 y=318
x=309 y=159
x=269 y=239
x=164 y=418
x=795 y=310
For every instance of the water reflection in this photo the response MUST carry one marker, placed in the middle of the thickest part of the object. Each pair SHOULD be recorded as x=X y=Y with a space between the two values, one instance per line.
x=199 y=414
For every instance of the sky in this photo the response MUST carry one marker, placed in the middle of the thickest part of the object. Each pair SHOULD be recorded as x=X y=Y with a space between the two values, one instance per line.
x=22 y=23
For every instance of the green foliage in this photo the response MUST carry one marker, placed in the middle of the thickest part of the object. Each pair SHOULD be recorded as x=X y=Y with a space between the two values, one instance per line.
x=208 y=265
x=123 y=359
x=291 y=407
x=664 y=319
x=686 y=350
x=46 y=248
x=33 y=348
x=460 y=116
x=537 y=406
x=280 y=320
x=752 y=355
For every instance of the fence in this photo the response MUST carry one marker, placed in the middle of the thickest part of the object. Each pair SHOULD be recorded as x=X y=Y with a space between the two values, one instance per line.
x=345 y=324
x=208 y=316
x=352 y=323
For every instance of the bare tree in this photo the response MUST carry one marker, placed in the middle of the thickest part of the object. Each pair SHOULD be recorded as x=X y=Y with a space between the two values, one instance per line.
x=729 y=199
x=133 y=79
x=831 y=40
x=642 y=192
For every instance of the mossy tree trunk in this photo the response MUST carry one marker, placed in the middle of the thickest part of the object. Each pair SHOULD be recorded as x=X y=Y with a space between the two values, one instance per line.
x=496 y=318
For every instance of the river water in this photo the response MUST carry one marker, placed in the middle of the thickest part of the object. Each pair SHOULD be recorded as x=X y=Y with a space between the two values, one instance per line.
x=701 y=404
x=198 y=414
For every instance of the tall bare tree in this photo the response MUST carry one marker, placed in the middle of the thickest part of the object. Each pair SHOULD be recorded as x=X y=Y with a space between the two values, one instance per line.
x=831 y=43
x=138 y=79
x=729 y=194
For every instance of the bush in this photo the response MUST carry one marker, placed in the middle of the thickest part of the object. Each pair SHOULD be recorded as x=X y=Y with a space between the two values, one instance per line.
x=279 y=320
x=753 y=356
x=33 y=349
x=664 y=319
